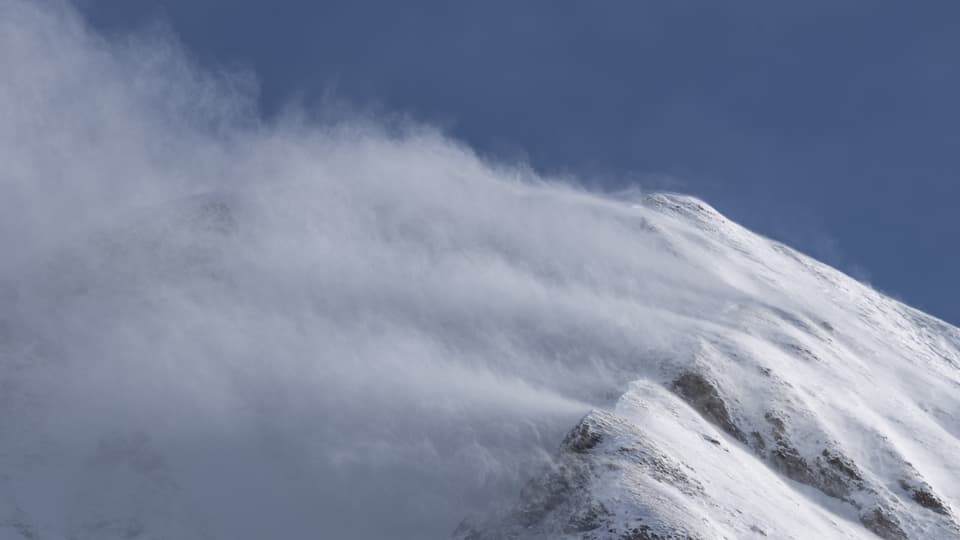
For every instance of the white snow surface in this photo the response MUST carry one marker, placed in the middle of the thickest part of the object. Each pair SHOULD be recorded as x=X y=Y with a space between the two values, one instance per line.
x=213 y=326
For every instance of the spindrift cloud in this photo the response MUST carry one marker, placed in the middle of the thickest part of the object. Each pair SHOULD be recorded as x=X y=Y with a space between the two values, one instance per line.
x=218 y=326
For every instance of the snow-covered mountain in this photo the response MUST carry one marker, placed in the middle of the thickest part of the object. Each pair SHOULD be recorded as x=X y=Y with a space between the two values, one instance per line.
x=791 y=402
x=218 y=327
x=826 y=410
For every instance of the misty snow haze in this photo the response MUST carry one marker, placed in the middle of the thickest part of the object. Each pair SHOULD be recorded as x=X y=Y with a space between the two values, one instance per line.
x=218 y=326
x=319 y=321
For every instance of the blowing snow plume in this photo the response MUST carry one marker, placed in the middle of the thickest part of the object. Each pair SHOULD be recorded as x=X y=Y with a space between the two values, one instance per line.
x=213 y=326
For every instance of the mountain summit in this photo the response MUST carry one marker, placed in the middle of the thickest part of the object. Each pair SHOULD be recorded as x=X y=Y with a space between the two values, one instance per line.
x=218 y=324
x=825 y=410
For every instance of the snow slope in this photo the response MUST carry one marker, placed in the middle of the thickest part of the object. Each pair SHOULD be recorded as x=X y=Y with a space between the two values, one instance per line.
x=816 y=408
x=213 y=326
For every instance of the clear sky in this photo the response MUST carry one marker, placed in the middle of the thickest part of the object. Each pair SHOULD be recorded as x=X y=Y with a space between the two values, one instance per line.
x=832 y=126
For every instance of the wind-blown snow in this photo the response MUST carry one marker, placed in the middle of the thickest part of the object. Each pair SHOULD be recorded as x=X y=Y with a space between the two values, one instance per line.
x=216 y=327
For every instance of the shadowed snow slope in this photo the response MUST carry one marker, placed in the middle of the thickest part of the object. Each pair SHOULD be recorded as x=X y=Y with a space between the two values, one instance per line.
x=212 y=327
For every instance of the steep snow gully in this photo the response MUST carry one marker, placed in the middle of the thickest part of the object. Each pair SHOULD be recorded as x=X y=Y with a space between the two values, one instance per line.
x=214 y=326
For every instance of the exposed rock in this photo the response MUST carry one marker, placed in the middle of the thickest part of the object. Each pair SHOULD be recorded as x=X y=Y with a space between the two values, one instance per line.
x=779 y=428
x=704 y=397
x=831 y=472
x=884 y=524
x=644 y=532
x=925 y=497
x=582 y=438
x=711 y=440
x=784 y=456
x=837 y=475
x=842 y=464
x=757 y=441
x=790 y=462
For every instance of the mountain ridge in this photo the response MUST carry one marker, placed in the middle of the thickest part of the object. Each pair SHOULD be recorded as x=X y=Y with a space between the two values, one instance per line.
x=884 y=494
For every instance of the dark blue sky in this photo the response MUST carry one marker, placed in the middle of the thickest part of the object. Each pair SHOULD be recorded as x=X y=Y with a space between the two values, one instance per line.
x=832 y=126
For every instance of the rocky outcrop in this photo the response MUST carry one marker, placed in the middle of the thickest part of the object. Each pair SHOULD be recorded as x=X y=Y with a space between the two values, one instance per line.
x=702 y=394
